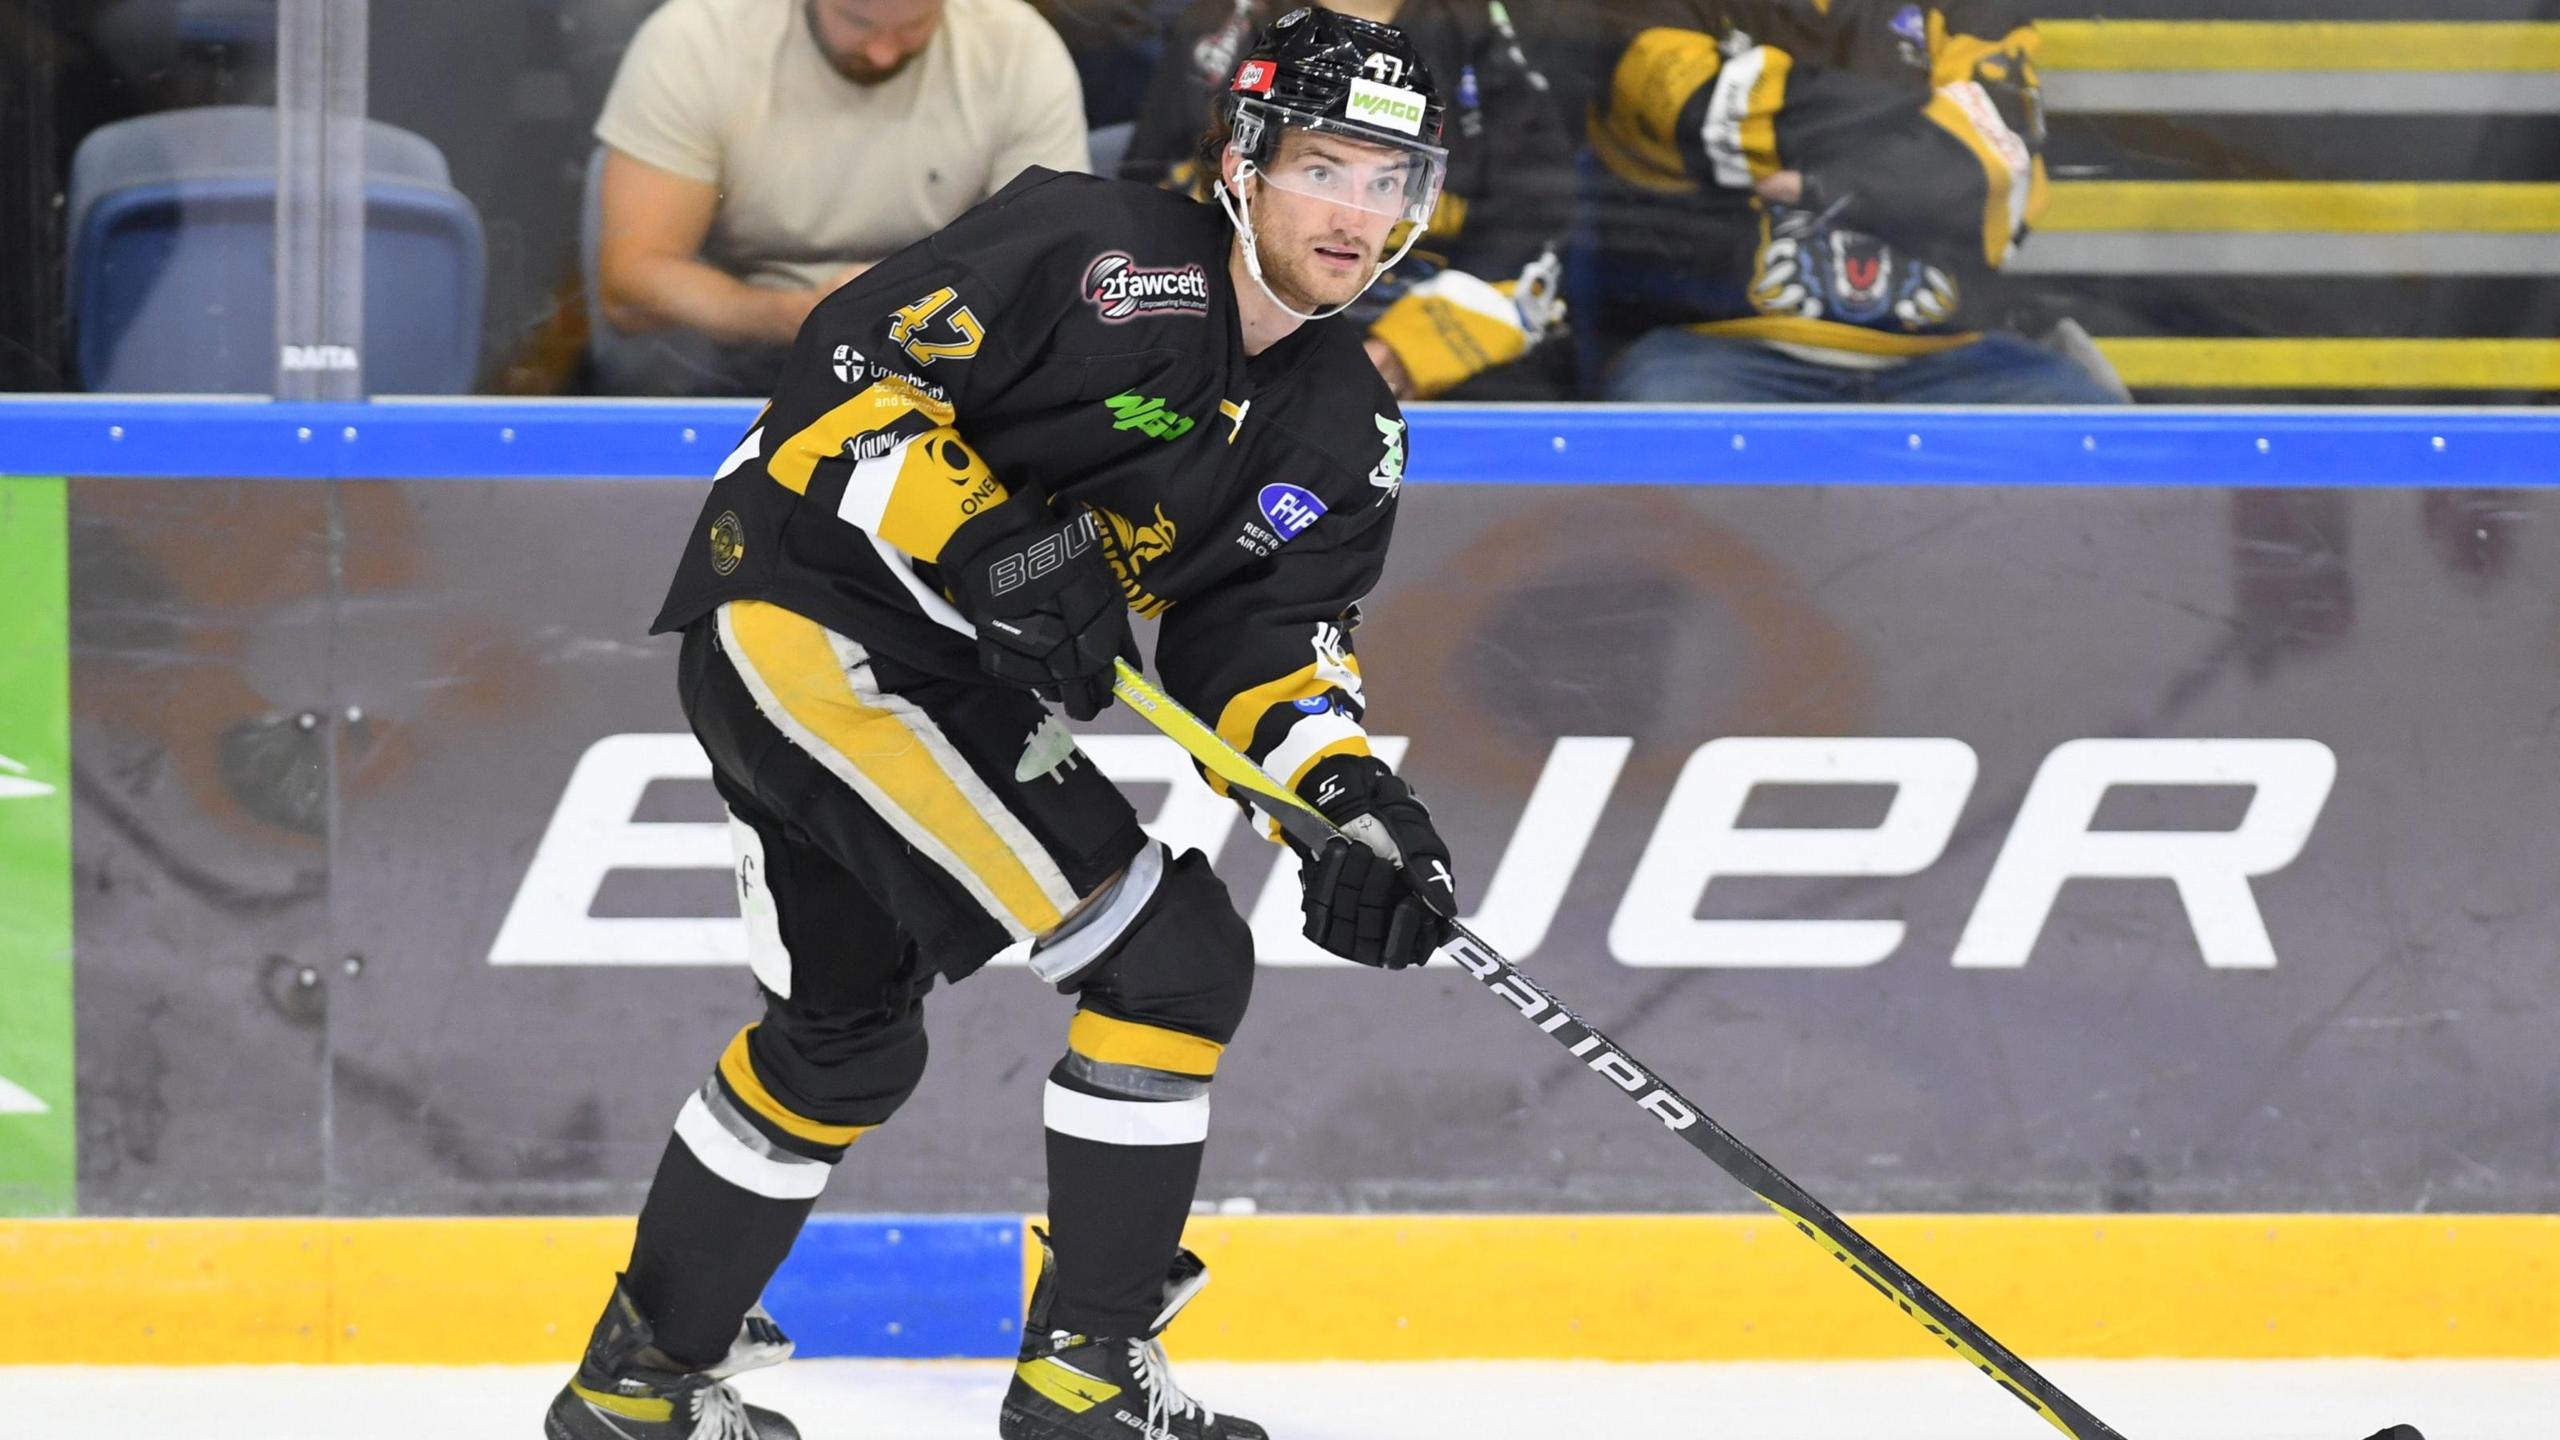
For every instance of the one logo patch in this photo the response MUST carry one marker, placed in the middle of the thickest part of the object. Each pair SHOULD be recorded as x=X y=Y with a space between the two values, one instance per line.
x=1910 y=25
x=1314 y=704
x=1122 y=289
x=728 y=544
x=1254 y=77
x=1290 y=509
x=849 y=362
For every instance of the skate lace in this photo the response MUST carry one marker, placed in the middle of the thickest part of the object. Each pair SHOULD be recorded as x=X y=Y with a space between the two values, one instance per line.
x=1165 y=1399
x=718 y=1414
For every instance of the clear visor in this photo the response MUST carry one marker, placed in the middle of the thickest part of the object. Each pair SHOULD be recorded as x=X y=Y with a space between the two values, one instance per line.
x=1326 y=161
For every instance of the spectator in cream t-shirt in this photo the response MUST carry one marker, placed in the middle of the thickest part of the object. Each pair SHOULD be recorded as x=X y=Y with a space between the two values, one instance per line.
x=759 y=153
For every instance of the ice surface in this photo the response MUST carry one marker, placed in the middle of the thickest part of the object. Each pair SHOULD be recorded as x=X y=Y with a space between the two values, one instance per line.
x=871 y=1400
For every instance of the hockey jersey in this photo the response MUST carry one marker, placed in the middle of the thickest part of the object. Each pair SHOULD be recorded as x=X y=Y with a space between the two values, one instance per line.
x=1919 y=131
x=1509 y=195
x=1074 y=342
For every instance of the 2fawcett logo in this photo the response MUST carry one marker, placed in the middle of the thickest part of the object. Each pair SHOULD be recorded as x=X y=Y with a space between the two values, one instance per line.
x=1122 y=289
x=1580 y=1040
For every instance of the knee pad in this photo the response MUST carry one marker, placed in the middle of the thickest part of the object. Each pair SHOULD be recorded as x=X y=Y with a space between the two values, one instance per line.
x=1176 y=957
x=814 y=1085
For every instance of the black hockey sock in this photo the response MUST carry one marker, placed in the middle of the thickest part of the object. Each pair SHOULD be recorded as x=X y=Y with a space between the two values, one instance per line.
x=1122 y=1172
x=705 y=1249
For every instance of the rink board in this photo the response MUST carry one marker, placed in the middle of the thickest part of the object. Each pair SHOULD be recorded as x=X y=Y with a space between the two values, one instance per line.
x=1382 y=1287
x=399 y=896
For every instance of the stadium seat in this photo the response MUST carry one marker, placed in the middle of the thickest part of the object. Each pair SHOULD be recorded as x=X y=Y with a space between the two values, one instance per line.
x=171 y=275
x=1108 y=144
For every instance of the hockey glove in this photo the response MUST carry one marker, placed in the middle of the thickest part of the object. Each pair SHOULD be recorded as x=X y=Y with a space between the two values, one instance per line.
x=1048 y=613
x=1384 y=896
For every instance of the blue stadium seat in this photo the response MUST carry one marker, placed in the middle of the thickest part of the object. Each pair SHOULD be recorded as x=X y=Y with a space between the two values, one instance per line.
x=172 y=273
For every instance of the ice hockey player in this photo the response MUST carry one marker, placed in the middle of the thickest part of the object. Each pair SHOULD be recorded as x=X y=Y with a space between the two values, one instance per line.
x=1083 y=398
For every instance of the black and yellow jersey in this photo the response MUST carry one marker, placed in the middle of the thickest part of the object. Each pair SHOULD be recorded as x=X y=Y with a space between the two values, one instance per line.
x=1918 y=128
x=1074 y=342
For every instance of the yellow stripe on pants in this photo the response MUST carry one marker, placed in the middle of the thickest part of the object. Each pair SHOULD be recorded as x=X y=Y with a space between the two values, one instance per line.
x=789 y=658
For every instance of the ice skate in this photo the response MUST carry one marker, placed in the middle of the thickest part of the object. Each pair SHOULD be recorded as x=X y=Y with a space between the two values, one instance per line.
x=626 y=1389
x=1095 y=1387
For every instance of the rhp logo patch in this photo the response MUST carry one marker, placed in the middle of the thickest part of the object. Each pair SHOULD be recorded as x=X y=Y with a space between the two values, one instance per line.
x=728 y=543
x=1290 y=509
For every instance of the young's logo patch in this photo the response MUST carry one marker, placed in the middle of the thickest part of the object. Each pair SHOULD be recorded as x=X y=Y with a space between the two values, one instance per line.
x=1122 y=289
x=1290 y=509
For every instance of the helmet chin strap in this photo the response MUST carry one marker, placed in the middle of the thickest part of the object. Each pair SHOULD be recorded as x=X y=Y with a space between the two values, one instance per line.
x=1239 y=208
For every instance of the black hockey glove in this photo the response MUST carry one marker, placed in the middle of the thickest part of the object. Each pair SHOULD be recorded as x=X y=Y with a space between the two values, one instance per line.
x=1384 y=896
x=1048 y=612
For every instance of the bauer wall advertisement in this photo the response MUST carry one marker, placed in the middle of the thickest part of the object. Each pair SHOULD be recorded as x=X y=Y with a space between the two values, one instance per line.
x=1962 y=849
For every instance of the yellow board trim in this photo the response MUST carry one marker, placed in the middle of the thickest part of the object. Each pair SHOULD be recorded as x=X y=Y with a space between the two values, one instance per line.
x=2191 y=45
x=790 y=654
x=739 y=1070
x=2277 y=207
x=1125 y=1042
x=2335 y=364
x=1393 y=1287
x=305 y=1291
x=1732 y=1287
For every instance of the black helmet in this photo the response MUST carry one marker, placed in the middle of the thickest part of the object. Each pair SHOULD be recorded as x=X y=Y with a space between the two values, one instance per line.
x=1316 y=68
x=1329 y=74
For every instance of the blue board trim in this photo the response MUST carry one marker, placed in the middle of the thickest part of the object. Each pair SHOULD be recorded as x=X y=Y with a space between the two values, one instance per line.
x=1529 y=445
x=907 y=1286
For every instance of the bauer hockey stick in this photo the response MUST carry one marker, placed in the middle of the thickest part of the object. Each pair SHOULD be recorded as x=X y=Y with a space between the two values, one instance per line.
x=1307 y=825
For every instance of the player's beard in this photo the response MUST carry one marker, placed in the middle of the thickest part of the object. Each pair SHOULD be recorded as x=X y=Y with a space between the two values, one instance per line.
x=1295 y=276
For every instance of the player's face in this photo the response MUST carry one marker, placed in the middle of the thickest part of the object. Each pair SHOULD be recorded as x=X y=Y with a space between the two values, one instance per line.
x=870 y=41
x=1323 y=213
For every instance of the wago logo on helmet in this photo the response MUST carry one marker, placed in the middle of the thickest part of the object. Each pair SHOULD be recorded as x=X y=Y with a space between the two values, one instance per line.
x=1390 y=106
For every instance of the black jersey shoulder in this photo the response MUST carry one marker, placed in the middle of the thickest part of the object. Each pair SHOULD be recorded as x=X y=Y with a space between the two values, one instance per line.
x=1107 y=266
x=1065 y=211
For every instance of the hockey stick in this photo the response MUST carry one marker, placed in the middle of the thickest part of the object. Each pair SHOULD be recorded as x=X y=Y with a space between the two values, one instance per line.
x=1304 y=823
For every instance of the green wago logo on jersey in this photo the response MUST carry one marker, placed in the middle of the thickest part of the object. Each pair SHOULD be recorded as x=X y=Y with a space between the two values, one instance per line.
x=1139 y=412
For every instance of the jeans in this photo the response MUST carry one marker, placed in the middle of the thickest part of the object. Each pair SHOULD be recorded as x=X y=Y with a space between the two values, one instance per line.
x=1675 y=366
